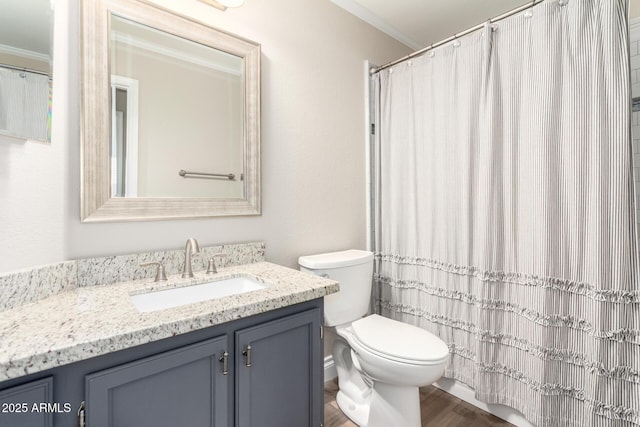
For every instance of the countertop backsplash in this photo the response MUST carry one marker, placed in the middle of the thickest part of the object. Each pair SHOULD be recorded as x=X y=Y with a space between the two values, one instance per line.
x=30 y=285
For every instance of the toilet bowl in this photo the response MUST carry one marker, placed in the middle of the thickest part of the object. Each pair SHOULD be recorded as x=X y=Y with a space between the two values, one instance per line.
x=381 y=362
x=397 y=359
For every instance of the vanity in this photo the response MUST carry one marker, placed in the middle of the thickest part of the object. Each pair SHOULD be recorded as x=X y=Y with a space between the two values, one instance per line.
x=90 y=342
x=89 y=356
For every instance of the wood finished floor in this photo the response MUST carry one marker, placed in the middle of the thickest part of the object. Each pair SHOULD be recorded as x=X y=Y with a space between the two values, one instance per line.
x=439 y=409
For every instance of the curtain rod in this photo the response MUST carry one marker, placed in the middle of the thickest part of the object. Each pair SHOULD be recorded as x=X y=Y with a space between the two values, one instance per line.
x=26 y=70
x=455 y=36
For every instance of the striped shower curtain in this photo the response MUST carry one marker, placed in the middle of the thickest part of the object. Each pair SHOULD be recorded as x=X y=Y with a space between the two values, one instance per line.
x=25 y=104
x=504 y=211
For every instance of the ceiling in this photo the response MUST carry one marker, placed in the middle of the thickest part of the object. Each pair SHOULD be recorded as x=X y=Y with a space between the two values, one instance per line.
x=419 y=23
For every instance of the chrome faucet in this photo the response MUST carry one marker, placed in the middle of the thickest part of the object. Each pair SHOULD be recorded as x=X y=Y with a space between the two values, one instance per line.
x=190 y=248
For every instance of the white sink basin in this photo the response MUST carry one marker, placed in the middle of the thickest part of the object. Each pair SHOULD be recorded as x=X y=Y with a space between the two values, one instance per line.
x=167 y=298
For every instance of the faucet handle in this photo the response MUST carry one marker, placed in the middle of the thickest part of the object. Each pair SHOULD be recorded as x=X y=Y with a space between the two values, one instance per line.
x=211 y=267
x=161 y=276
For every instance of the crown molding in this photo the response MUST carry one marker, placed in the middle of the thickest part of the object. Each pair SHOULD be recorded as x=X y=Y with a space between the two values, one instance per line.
x=172 y=53
x=374 y=20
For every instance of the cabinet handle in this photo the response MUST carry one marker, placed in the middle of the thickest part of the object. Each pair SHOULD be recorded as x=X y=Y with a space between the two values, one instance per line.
x=224 y=359
x=247 y=354
x=81 y=415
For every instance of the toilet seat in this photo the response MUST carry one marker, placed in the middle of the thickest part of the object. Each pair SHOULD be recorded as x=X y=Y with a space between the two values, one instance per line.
x=398 y=341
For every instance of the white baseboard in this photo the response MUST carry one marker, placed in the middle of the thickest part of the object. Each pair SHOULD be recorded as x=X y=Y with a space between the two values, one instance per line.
x=464 y=392
x=329 y=369
x=457 y=389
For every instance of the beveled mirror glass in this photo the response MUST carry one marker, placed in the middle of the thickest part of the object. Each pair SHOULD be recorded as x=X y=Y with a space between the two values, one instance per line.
x=170 y=116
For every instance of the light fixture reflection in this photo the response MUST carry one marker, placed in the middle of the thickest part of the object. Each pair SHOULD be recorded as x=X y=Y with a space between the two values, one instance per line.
x=223 y=4
x=231 y=3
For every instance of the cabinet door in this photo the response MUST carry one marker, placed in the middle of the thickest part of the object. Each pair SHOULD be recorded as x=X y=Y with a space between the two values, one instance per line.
x=279 y=373
x=26 y=405
x=182 y=387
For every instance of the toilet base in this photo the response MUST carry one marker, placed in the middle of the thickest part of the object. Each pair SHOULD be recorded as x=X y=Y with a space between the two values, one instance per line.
x=393 y=405
x=389 y=405
x=356 y=412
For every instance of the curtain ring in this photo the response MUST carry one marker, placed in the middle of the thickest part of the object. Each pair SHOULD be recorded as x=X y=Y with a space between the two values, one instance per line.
x=529 y=12
x=490 y=25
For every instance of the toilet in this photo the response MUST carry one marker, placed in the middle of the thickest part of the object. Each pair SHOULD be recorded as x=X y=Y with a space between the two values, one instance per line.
x=381 y=362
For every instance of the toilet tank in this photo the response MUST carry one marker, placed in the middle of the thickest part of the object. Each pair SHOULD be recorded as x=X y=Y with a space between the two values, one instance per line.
x=353 y=269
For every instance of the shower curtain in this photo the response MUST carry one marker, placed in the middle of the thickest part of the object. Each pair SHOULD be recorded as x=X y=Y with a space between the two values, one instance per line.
x=504 y=211
x=25 y=104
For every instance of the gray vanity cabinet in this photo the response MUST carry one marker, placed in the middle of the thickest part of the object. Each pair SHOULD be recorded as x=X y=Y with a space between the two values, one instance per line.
x=278 y=369
x=28 y=405
x=162 y=390
x=181 y=381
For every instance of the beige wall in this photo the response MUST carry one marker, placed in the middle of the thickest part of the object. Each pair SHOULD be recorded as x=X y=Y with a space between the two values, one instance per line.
x=634 y=8
x=313 y=144
x=19 y=61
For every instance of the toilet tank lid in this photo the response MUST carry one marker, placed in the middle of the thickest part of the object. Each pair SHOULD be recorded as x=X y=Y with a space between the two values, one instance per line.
x=336 y=259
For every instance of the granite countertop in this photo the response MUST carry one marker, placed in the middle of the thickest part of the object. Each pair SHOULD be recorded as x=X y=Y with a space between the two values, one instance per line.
x=90 y=321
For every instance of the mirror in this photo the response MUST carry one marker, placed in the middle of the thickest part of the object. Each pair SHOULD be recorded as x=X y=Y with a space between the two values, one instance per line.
x=26 y=28
x=170 y=116
x=199 y=87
